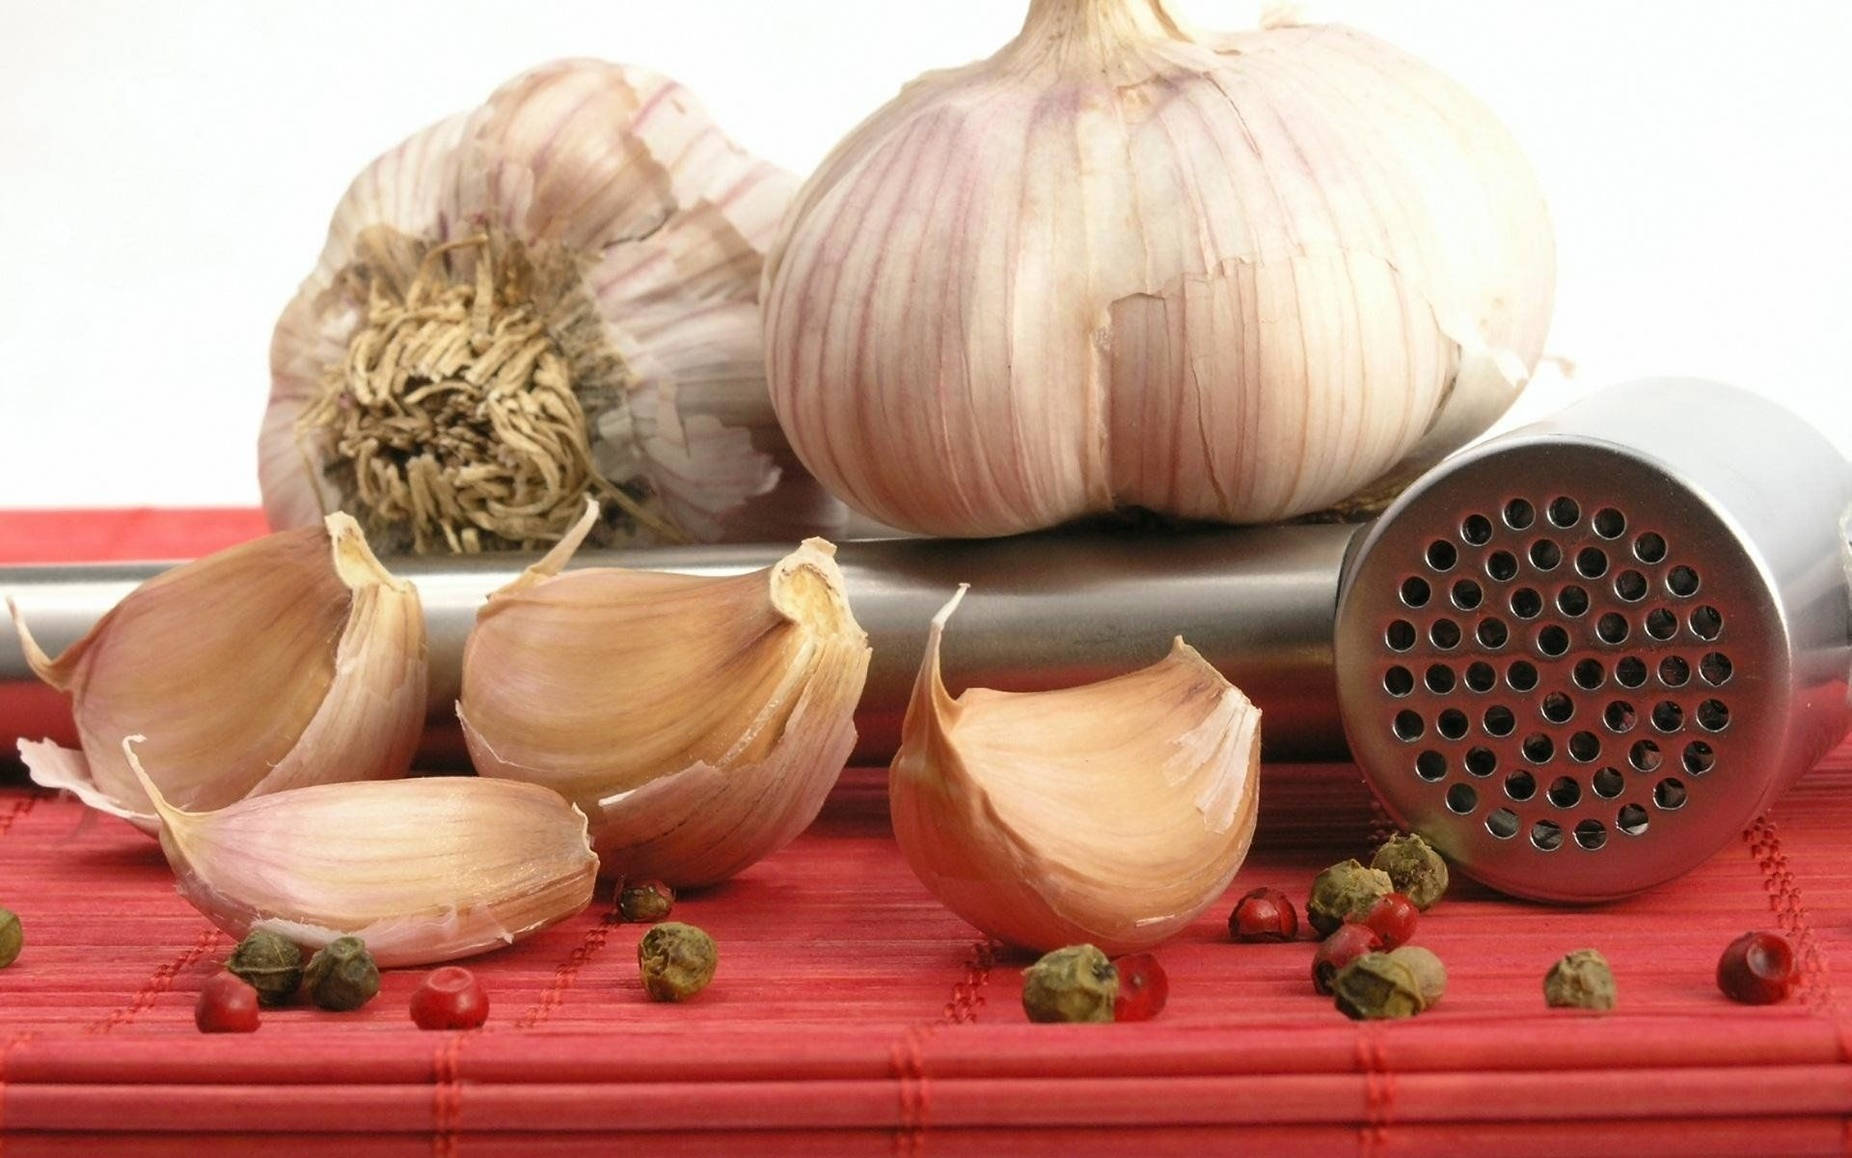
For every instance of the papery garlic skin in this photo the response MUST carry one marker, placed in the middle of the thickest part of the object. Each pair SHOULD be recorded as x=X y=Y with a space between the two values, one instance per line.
x=1112 y=813
x=291 y=660
x=551 y=296
x=423 y=870
x=700 y=722
x=1120 y=264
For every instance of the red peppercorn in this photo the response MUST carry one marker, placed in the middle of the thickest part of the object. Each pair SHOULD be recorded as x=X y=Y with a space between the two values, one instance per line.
x=1143 y=988
x=226 y=1005
x=1757 y=969
x=450 y=998
x=1393 y=917
x=1264 y=915
x=1347 y=943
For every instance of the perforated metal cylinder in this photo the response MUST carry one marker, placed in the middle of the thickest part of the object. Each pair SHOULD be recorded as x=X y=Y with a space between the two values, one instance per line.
x=1582 y=656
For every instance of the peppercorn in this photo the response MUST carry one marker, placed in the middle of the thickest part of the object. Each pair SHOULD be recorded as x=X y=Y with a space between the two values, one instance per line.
x=1418 y=871
x=1347 y=943
x=645 y=901
x=342 y=975
x=12 y=937
x=1144 y=988
x=1429 y=974
x=270 y=964
x=1264 y=915
x=226 y=1005
x=1376 y=986
x=1344 y=892
x=450 y=998
x=1757 y=969
x=1580 y=980
x=677 y=961
x=1076 y=983
x=1393 y=917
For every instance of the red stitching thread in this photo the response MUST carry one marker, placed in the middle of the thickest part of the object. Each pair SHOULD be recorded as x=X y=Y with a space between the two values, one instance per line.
x=1784 y=900
x=1378 y=1090
x=908 y=1060
x=968 y=991
x=447 y=1097
x=19 y=809
x=159 y=982
x=568 y=969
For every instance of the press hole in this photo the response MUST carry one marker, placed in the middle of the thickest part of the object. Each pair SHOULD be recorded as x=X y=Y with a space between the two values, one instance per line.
x=1481 y=761
x=1499 y=721
x=1492 y=633
x=1480 y=677
x=1565 y=792
x=1584 y=747
x=1564 y=511
x=1630 y=585
x=1674 y=672
x=1682 y=580
x=1715 y=668
x=1415 y=591
x=1462 y=799
x=1537 y=748
x=1452 y=724
x=1476 y=529
x=1502 y=824
x=1644 y=755
x=1439 y=679
x=1591 y=562
x=1526 y=603
x=1589 y=673
x=1520 y=785
x=1572 y=600
x=1398 y=681
x=1713 y=716
x=1466 y=594
x=1445 y=633
x=1612 y=628
x=1610 y=523
x=1431 y=765
x=1706 y=622
x=1545 y=555
x=1519 y=514
x=1546 y=835
x=1591 y=834
x=1649 y=548
x=1441 y=555
x=1608 y=783
x=1630 y=672
x=1669 y=794
x=1521 y=675
x=1661 y=624
x=1501 y=565
x=1668 y=716
x=1400 y=636
x=1631 y=819
x=1619 y=716
x=1558 y=708
x=1409 y=725
x=1698 y=757
x=1553 y=641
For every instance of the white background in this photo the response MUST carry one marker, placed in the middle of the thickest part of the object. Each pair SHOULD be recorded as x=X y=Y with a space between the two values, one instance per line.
x=167 y=171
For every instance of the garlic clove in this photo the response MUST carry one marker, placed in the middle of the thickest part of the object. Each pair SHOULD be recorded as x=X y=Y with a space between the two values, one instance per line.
x=1111 y=813
x=698 y=721
x=290 y=660
x=423 y=870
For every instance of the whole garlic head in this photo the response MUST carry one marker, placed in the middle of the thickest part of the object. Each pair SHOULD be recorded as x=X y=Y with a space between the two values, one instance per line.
x=1110 y=814
x=552 y=296
x=1231 y=277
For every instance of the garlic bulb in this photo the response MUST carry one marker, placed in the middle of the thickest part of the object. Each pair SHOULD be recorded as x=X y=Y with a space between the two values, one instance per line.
x=290 y=660
x=552 y=296
x=699 y=722
x=1119 y=264
x=1112 y=813
x=422 y=870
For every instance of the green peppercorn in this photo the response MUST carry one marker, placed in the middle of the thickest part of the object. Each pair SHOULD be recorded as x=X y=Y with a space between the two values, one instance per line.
x=1345 y=892
x=1418 y=871
x=1429 y=974
x=645 y=901
x=270 y=964
x=1077 y=983
x=11 y=938
x=1581 y=980
x=342 y=975
x=1376 y=986
x=677 y=961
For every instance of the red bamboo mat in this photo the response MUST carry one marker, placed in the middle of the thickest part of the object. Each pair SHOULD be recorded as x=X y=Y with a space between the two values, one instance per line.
x=853 y=1015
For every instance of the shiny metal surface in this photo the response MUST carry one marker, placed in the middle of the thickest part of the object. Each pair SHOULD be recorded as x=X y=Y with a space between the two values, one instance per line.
x=1582 y=656
x=1044 y=611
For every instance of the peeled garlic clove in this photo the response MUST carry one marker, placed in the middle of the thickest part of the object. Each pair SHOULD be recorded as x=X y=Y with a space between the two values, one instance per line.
x=290 y=660
x=425 y=869
x=1112 y=813
x=551 y=296
x=699 y=722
